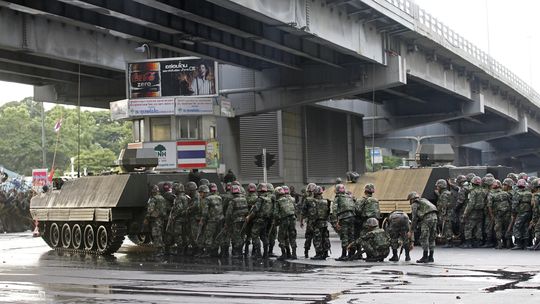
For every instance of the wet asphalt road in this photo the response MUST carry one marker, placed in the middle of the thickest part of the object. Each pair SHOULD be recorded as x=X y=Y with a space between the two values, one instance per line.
x=32 y=273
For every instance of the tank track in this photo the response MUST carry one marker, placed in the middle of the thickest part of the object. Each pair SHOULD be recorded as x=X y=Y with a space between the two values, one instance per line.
x=116 y=233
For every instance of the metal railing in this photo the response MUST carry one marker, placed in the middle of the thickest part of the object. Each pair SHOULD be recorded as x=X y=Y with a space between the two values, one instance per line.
x=466 y=49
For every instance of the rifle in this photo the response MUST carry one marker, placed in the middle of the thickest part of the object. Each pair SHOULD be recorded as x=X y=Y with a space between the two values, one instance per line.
x=171 y=219
x=400 y=252
x=199 y=230
x=270 y=230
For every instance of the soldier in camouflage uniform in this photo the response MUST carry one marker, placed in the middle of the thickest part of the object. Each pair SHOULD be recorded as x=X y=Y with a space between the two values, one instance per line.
x=445 y=207
x=272 y=234
x=535 y=222
x=521 y=214
x=285 y=218
x=321 y=236
x=251 y=198
x=398 y=228
x=489 y=242
x=212 y=220
x=375 y=242
x=425 y=214
x=473 y=216
x=308 y=211
x=368 y=207
x=343 y=220
x=194 y=217
x=261 y=214
x=156 y=215
x=226 y=235
x=236 y=219
x=178 y=222
x=169 y=196
x=499 y=207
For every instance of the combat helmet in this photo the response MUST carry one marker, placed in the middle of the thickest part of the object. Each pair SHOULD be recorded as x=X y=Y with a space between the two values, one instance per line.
x=412 y=195
x=441 y=183
x=370 y=188
x=191 y=186
x=372 y=222
x=204 y=189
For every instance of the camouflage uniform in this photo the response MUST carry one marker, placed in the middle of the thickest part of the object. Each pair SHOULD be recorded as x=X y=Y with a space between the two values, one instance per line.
x=498 y=202
x=236 y=219
x=425 y=213
x=343 y=214
x=180 y=224
x=156 y=214
x=536 y=217
x=309 y=211
x=261 y=214
x=251 y=198
x=321 y=236
x=461 y=204
x=397 y=229
x=368 y=208
x=212 y=218
x=521 y=212
x=473 y=216
x=445 y=208
x=285 y=218
x=226 y=235
x=488 y=221
x=375 y=243
x=194 y=216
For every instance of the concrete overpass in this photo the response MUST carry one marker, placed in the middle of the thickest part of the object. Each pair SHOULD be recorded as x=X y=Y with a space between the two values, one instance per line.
x=367 y=67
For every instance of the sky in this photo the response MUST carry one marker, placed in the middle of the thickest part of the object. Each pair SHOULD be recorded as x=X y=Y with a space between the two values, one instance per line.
x=512 y=35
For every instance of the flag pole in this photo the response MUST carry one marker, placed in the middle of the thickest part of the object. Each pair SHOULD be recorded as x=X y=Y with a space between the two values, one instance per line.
x=56 y=143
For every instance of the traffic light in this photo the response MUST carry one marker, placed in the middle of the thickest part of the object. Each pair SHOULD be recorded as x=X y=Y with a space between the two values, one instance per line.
x=259 y=160
x=270 y=160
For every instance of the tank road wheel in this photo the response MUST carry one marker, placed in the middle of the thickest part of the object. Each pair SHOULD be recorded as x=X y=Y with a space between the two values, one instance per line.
x=77 y=238
x=102 y=239
x=89 y=237
x=66 y=235
x=139 y=239
x=54 y=235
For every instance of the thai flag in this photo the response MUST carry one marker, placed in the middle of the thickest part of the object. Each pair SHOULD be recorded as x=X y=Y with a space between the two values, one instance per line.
x=191 y=154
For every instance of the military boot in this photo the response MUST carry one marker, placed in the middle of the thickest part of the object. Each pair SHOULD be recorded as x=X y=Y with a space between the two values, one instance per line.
x=265 y=252
x=237 y=252
x=520 y=245
x=467 y=244
x=293 y=253
x=306 y=253
x=325 y=254
x=224 y=251
x=407 y=256
x=283 y=256
x=509 y=244
x=488 y=244
x=350 y=256
x=425 y=258
x=430 y=258
x=500 y=244
x=319 y=256
x=394 y=257
x=343 y=256
x=448 y=244
x=256 y=252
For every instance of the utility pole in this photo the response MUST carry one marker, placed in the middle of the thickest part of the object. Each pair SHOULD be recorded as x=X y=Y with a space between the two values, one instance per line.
x=265 y=171
x=44 y=165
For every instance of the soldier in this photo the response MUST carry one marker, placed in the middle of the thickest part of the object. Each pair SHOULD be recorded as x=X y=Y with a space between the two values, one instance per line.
x=487 y=182
x=155 y=216
x=465 y=187
x=226 y=198
x=473 y=216
x=499 y=207
x=251 y=198
x=211 y=220
x=535 y=222
x=521 y=214
x=321 y=236
x=343 y=219
x=178 y=223
x=260 y=214
x=285 y=218
x=425 y=214
x=308 y=211
x=375 y=242
x=236 y=220
x=194 y=217
x=445 y=208
x=397 y=229
x=169 y=196
x=365 y=208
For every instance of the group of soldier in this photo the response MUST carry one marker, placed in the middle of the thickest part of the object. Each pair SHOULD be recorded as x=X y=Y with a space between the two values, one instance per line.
x=15 y=210
x=485 y=212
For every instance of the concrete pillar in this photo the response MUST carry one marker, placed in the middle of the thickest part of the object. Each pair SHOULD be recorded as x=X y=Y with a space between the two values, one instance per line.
x=293 y=147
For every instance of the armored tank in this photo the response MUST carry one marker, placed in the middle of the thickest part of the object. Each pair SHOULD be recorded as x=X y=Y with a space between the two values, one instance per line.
x=93 y=214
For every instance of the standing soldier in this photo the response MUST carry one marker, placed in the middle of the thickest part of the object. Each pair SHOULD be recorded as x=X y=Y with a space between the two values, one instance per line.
x=369 y=206
x=212 y=220
x=398 y=228
x=194 y=216
x=375 y=242
x=236 y=219
x=156 y=215
x=251 y=198
x=499 y=207
x=521 y=214
x=260 y=214
x=343 y=217
x=178 y=222
x=321 y=236
x=425 y=214
x=272 y=229
x=473 y=216
x=445 y=208
x=535 y=223
x=285 y=218
x=487 y=182
x=169 y=196
x=225 y=236
x=462 y=200
x=308 y=211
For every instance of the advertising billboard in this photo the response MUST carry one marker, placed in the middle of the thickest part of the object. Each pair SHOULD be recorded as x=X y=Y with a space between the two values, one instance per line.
x=172 y=77
x=165 y=153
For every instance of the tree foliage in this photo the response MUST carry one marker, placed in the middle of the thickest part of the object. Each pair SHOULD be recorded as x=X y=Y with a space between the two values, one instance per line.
x=101 y=139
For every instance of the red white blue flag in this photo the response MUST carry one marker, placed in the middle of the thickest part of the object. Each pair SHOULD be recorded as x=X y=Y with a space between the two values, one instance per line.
x=191 y=154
